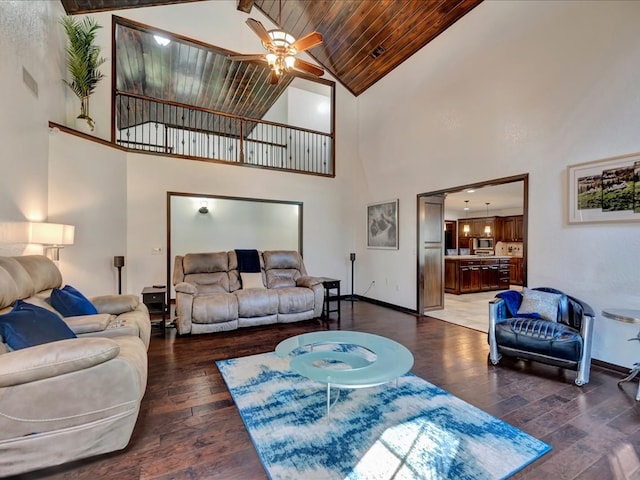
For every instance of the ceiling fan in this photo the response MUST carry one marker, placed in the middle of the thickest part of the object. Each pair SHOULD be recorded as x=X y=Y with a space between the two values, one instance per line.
x=282 y=48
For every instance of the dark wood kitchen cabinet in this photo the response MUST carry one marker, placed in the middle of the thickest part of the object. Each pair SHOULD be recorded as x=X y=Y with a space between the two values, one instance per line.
x=470 y=276
x=519 y=228
x=476 y=275
x=489 y=275
x=477 y=226
x=512 y=228
x=516 y=271
x=451 y=278
x=505 y=273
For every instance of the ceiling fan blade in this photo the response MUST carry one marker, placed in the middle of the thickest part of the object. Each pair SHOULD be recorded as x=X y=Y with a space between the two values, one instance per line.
x=273 y=78
x=308 y=67
x=251 y=56
x=259 y=30
x=308 y=41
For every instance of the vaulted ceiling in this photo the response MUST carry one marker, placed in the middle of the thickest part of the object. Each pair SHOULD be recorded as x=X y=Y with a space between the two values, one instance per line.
x=364 y=40
x=189 y=74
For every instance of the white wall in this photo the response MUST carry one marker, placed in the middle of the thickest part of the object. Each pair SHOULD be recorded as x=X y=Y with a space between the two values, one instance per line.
x=231 y=224
x=326 y=228
x=309 y=110
x=88 y=189
x=514 y=87
x=30 y=39
x=278 y=112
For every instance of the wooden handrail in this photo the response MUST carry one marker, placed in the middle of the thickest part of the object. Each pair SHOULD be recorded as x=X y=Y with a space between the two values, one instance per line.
x=214 y=112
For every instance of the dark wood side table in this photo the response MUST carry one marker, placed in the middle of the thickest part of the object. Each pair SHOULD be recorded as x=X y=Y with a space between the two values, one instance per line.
x=330 y=284
x=155 y=300
x=627 y=316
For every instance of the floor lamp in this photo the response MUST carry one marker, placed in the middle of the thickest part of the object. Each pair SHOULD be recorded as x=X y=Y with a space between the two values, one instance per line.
x=118 y=262
x=352 y=257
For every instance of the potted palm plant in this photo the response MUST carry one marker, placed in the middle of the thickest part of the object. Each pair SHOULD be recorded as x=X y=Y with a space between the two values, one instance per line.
x=83 y=61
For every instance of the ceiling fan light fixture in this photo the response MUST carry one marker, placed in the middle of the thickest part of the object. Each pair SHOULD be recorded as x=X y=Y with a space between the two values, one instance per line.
x=289 y=61
x=271 y=58
x=280 y=39
x=282 y=48
x=281 y=53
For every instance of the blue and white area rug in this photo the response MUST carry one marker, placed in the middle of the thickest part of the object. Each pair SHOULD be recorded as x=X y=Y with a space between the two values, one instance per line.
x=414 y=430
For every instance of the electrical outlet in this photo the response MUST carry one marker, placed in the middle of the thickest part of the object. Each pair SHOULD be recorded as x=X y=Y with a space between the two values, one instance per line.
x=156 y=251
x=397 y=288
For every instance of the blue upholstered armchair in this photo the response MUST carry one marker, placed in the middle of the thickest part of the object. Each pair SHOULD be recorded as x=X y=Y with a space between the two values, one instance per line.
x=544 y=325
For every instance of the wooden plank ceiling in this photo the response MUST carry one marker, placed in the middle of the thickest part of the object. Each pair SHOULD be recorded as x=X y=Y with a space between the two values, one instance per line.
x=364 y=40
x=188 y=73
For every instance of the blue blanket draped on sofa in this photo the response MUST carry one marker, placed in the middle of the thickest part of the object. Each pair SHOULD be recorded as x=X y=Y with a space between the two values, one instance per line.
x=248 y=261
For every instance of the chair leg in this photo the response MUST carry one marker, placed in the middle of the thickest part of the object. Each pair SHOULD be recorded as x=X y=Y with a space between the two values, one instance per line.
x=583 y=373
x=494 y=356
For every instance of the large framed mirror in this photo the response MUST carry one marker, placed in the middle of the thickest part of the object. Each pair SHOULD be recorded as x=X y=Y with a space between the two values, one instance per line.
x=212 y=223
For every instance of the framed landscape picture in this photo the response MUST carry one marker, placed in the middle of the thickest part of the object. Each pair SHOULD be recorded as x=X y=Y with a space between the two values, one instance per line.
x=382 y=225
x=605 y=190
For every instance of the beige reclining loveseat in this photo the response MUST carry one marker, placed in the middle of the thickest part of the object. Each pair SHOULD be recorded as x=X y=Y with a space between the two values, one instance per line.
x=74 y=398
x=210 y=296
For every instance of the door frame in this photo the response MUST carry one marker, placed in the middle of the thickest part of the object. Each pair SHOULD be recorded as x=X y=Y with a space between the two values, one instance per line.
x=524 y=178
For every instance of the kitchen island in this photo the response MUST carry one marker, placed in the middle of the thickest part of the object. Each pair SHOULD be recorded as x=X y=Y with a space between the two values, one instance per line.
x=476 y=273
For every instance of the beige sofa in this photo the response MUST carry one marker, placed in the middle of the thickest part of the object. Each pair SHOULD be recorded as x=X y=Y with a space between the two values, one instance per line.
x=210 y=297
x=74 y=398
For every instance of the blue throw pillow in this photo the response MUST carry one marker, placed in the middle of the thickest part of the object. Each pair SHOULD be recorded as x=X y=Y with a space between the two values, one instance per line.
x=29 y=325
x=71 y=303
x=512 y=300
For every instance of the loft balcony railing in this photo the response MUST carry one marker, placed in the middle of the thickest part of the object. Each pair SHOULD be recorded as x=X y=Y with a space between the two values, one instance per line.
x=157 y=126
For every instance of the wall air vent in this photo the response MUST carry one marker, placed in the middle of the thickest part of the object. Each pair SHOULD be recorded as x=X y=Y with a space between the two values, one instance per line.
x=379 y=50
x=29 y=81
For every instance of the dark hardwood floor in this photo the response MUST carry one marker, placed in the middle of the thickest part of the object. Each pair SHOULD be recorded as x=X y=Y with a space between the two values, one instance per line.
x=189 y=428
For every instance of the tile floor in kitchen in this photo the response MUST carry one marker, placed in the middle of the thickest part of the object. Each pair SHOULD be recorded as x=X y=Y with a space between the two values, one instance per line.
x=469 y=310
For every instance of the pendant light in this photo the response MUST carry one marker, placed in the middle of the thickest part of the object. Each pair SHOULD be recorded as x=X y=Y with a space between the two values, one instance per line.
x=466 y=229
x=487 y=228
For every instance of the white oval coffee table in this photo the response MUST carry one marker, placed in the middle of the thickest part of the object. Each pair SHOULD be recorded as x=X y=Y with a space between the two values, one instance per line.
x=347 y=369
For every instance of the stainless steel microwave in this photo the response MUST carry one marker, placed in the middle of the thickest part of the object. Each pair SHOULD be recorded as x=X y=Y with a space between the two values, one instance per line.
x=482 y=243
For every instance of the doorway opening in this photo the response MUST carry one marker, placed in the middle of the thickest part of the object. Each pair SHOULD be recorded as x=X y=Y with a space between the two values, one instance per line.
x=508 y=200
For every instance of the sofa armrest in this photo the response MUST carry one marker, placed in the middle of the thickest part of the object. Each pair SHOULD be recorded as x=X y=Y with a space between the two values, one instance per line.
x=188 y=288
x=54 y=359
x=115 y=304
x=88 y=323
x=308 y=281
